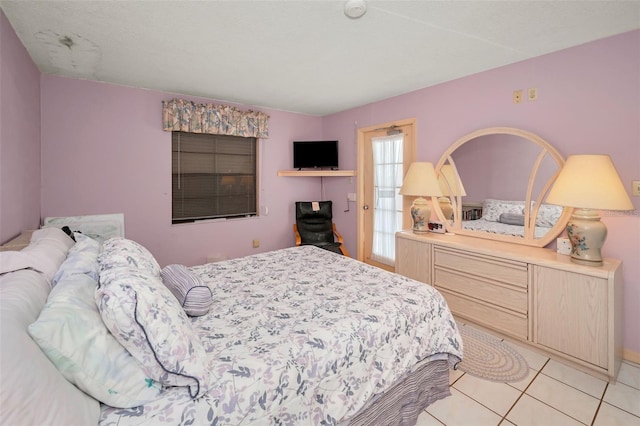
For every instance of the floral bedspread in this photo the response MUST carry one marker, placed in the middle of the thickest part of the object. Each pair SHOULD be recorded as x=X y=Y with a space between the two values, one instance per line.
x=303 y=336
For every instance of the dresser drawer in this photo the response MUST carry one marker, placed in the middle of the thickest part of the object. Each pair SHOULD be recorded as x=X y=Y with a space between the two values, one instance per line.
x=487 y=315
x=506 y=296
x=491 y=268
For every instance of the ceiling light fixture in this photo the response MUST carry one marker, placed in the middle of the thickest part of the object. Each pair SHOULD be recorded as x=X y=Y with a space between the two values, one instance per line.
x=354 y=9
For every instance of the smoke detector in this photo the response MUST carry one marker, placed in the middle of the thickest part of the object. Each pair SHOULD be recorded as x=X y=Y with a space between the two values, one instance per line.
x=354 y=9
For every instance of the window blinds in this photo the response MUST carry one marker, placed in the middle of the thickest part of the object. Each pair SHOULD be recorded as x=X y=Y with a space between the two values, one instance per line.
x=213 y=176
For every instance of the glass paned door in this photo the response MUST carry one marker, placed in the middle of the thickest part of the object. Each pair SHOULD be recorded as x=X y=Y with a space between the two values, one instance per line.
x=387 y=205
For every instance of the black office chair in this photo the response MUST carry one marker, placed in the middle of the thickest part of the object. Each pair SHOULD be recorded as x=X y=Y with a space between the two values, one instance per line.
x=316 y=227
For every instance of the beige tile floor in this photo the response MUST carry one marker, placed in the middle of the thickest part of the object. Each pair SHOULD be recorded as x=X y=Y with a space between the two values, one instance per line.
x=553 y=394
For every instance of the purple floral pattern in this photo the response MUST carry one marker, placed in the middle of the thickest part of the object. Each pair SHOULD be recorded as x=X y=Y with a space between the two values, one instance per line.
x=124 y=253
x=147 y=319
x=303 y=336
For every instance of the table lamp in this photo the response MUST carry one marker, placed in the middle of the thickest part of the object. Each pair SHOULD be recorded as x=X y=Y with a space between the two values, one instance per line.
x=588 y=182
x=450 y=185
x=421 y=181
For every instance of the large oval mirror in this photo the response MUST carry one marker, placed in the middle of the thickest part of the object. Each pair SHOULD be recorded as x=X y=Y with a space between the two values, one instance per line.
x=495 y=182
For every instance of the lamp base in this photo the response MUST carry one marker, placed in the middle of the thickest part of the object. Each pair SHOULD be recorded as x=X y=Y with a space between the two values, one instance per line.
x=446 y=207
x=420 y=214
x=587 y=235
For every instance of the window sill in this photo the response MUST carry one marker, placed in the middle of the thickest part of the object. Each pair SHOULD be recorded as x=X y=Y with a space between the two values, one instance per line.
x=217 y=220
x=316 y=173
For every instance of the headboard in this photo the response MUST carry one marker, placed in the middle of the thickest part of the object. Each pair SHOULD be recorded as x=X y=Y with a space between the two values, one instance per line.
x=98 y=226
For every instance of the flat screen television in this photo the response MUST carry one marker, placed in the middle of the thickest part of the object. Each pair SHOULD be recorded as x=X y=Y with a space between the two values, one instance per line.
x=315 y=154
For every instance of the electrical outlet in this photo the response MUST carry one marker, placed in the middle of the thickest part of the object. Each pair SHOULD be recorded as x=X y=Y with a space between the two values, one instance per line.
x=517 y=96
x=256 y=243
x=635 y=188
x=532 y=94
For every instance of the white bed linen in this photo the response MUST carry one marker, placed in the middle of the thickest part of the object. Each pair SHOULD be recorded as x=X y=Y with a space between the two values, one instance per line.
x=32 y=390
x=303 y=336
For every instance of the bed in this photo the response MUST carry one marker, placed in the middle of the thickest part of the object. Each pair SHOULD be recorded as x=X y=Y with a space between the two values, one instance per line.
x=297 y=336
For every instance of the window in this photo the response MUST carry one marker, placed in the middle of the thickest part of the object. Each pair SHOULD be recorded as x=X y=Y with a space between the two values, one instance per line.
x=213 y=176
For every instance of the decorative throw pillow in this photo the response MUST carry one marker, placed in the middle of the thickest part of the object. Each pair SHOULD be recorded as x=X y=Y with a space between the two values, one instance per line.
x=512 y=219
x=82 y=259
x=149 y=322
x=192 y=293
x=492 y=209
x=128 y=253
x=71 y=333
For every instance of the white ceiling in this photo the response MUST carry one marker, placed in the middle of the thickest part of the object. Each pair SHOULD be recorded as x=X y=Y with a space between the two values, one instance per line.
x=301 y=56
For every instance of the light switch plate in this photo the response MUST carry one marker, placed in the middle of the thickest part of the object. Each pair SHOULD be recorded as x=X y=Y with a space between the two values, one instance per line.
x=563 y=246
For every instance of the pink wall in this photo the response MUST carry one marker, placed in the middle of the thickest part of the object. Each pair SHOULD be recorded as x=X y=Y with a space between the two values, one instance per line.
x=19 y=136
x=104 y=151
x=588 y=102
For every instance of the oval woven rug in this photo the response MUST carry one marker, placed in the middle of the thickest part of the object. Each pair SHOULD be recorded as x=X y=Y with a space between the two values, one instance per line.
x=490 y=358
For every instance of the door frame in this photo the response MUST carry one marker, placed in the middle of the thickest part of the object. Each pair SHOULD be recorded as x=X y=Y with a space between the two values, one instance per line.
x=360 y=178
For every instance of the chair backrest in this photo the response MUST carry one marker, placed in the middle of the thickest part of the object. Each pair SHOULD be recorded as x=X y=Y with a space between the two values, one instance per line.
x=314 y=226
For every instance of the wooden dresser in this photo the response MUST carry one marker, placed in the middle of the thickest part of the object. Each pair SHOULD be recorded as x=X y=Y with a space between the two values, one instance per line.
x=529 y=294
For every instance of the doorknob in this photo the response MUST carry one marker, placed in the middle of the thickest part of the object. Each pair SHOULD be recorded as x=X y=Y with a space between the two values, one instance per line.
x=365 y=207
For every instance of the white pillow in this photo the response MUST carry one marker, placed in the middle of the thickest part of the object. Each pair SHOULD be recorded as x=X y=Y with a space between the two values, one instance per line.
x=81 y=259
x=11 y=261
x=32 y=391
x=46 y=251
x=54 y=236
x=71 y=333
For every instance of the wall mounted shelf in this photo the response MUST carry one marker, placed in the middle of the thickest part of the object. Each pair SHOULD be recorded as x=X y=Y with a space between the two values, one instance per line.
x=316 y=173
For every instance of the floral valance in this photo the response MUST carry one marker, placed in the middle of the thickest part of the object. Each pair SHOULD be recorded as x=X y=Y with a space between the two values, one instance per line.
x=186 y=116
